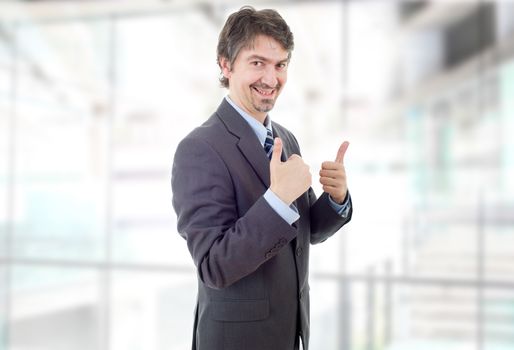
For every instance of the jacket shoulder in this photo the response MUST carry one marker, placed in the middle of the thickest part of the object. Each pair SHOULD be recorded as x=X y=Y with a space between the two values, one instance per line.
x=212 y=132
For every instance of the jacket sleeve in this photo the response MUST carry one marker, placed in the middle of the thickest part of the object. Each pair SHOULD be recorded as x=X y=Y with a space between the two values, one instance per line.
x=325 y=221
x=224 y=245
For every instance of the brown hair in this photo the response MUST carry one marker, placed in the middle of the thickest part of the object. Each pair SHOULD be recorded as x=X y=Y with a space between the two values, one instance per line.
x=243 y=26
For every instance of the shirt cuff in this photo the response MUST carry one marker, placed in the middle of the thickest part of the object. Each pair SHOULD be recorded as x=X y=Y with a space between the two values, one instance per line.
x=341 y=209
x=288 y=213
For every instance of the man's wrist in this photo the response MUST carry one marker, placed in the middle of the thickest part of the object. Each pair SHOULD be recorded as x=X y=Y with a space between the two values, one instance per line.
x=280 y=196
x=340 y=200
x=288 y=212
x=341 y=209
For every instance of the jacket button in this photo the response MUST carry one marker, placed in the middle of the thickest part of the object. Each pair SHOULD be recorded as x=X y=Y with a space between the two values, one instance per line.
x=299 y=251
x=268 y=255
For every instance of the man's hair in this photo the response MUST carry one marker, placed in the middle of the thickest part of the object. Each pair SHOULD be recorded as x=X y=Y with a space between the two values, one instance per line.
x=243 y=26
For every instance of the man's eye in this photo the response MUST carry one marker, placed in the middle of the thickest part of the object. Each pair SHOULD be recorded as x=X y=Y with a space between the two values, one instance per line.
x=257 y=63
x=281 y=65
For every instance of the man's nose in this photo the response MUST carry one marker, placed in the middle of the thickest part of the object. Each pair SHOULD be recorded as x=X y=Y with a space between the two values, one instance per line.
x=270 y=77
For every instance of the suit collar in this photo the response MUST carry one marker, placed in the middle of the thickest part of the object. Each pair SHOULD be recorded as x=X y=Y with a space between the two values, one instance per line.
x=258 y=128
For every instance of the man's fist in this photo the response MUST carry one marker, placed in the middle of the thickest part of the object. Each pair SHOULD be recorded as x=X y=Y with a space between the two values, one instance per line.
x=289 y=179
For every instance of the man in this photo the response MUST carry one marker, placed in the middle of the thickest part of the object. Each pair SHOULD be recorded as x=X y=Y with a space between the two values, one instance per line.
x=245 y=205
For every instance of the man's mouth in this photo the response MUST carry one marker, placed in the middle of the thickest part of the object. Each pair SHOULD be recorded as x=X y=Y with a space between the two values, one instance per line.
x=264 y=92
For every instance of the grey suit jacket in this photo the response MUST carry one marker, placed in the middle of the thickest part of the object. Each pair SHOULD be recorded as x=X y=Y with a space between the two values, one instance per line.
x=253 y=291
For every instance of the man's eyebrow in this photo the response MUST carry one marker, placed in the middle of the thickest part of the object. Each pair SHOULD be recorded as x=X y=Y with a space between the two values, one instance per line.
x=262 y=58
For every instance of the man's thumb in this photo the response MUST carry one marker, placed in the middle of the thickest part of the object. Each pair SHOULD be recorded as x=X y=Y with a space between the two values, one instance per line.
x=277 y=150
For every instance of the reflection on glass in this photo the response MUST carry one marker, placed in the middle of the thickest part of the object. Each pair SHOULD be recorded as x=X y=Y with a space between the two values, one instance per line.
x=152 y=311
x=55 y=308
x=60 y=144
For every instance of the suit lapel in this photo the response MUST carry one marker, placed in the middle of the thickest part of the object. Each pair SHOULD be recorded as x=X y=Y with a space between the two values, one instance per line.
x=247 y=143
x=286 y=149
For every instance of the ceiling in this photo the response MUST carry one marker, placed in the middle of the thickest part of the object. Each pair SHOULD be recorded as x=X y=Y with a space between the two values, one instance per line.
x=47 y=10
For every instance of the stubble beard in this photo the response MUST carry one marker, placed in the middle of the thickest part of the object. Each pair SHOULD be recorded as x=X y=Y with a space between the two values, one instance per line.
x=264 y=105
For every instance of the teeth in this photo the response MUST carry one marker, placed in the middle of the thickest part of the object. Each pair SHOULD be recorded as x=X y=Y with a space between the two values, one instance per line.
x=264 y=92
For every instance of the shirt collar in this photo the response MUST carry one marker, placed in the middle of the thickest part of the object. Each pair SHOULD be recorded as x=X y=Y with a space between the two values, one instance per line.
x=259 y=129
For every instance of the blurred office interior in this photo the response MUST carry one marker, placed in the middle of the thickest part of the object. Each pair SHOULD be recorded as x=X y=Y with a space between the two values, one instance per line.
x=95 y=95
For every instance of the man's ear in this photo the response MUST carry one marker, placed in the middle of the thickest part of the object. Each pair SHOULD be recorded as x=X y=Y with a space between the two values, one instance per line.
x=225 y=67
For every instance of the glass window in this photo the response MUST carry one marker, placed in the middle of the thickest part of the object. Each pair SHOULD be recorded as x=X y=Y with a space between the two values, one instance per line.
x=3 y=307
x=497 y=315
x=152 y=310
x=101 y=102
x=436 y=317
x=61 y=140
x=325 y=325
x=157 y=103
x=5 y=117
x=55 y=308
x=506 y=127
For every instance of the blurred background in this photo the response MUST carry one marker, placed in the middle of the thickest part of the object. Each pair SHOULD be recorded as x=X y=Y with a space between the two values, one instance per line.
x=95 y=95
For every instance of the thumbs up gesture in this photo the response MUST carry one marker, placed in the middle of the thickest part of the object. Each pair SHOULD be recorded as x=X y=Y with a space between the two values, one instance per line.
x=333 y=175
x=289 y=179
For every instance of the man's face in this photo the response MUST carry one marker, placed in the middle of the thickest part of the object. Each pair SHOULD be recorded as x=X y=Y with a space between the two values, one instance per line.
x=257 y=76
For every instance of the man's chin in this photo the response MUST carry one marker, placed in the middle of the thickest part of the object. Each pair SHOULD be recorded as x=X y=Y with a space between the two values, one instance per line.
x=265 y=106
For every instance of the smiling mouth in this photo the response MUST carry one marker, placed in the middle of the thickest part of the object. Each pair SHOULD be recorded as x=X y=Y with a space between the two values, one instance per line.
x=265 y=93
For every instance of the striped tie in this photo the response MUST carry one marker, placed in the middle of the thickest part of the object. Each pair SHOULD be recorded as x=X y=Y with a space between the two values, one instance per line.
x=268 y=143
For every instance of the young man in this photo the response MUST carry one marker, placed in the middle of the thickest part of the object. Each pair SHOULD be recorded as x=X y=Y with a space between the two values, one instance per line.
x=243 y=200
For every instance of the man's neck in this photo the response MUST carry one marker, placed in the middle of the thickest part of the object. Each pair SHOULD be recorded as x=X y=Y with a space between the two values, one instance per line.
x=261 y=117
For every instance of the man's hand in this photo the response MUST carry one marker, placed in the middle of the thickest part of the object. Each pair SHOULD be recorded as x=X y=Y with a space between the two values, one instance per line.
x=289 y=179
x=333 y=176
